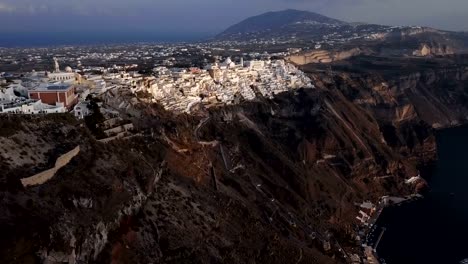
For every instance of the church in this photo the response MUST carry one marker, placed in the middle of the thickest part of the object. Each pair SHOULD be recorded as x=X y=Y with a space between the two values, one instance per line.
x=59 y=76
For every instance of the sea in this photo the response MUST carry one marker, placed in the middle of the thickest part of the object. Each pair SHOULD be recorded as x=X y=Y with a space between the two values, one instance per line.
x=433 y=229
x=46 y=39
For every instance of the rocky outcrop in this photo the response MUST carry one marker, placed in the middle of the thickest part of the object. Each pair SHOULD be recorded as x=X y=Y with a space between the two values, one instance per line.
x=437 y=49
x=323 y=56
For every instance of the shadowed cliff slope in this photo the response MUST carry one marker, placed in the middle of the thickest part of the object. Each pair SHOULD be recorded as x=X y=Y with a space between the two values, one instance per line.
x=266 y=181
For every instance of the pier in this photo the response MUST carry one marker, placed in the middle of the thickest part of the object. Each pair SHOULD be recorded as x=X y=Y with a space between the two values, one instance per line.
x=379 y=239
x=371 y=228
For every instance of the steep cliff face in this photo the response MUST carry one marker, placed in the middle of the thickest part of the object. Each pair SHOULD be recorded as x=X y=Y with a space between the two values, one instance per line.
x=271 y=181
x=267 y=181
x=323 y=56
x=434 y=49
x=397 y=90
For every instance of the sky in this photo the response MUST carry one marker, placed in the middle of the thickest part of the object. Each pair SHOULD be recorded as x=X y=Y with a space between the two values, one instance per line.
x=189 y=18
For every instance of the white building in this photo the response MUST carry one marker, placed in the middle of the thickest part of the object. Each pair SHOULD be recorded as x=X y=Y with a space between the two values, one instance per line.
x=255 y=64
x=7 y=95
x=10 y=103
x=18 y=87
x=28 y=106
x=61 y=77
x=81 y=110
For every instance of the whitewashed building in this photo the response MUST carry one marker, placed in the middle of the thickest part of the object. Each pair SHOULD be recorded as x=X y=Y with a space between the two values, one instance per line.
x=81 y=110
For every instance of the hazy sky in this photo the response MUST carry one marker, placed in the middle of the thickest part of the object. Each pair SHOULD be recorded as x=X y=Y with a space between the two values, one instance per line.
x=212 y=16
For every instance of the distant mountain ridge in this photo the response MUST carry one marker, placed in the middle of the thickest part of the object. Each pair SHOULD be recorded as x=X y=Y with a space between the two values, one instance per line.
x=294 y=26
x=279 y=19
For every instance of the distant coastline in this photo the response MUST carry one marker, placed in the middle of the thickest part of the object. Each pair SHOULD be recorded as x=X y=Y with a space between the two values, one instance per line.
x=40 y=39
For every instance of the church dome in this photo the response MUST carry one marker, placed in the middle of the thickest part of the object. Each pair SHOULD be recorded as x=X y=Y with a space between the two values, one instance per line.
x=68 y=69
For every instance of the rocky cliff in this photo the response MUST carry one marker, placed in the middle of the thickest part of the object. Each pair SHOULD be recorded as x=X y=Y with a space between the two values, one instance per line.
x=402 y=89
x=267 y=181
x=323 y=56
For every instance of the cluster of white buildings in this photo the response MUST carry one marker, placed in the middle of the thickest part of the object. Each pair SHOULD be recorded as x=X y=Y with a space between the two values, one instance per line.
x=180 y=89
x=40 y=93
x=61 y=91
x=11 y=103
x=177 y=89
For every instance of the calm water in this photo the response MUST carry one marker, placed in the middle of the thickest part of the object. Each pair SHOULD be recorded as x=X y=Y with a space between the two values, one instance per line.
x=38 y=39
x=435 y=229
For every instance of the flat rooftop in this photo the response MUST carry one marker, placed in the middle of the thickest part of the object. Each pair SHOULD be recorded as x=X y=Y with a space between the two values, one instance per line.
x=53 y=87
x=59 y=87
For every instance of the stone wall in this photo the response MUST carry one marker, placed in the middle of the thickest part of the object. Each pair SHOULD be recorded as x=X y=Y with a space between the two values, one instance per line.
x=119 y=129
x=44 y=176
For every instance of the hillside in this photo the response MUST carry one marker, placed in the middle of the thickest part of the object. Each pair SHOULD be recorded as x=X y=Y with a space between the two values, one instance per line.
x=268 y=181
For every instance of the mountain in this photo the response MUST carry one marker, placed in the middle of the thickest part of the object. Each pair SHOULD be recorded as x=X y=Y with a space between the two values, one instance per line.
x=303 y=27
x=280 y=22
x=280 y=19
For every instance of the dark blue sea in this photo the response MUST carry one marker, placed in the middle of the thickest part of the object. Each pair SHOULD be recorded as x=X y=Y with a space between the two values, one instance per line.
x=43 y=39
x=434 y=229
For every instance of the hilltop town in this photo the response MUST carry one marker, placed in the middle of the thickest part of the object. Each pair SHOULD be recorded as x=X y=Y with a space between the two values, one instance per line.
x=177 y=89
